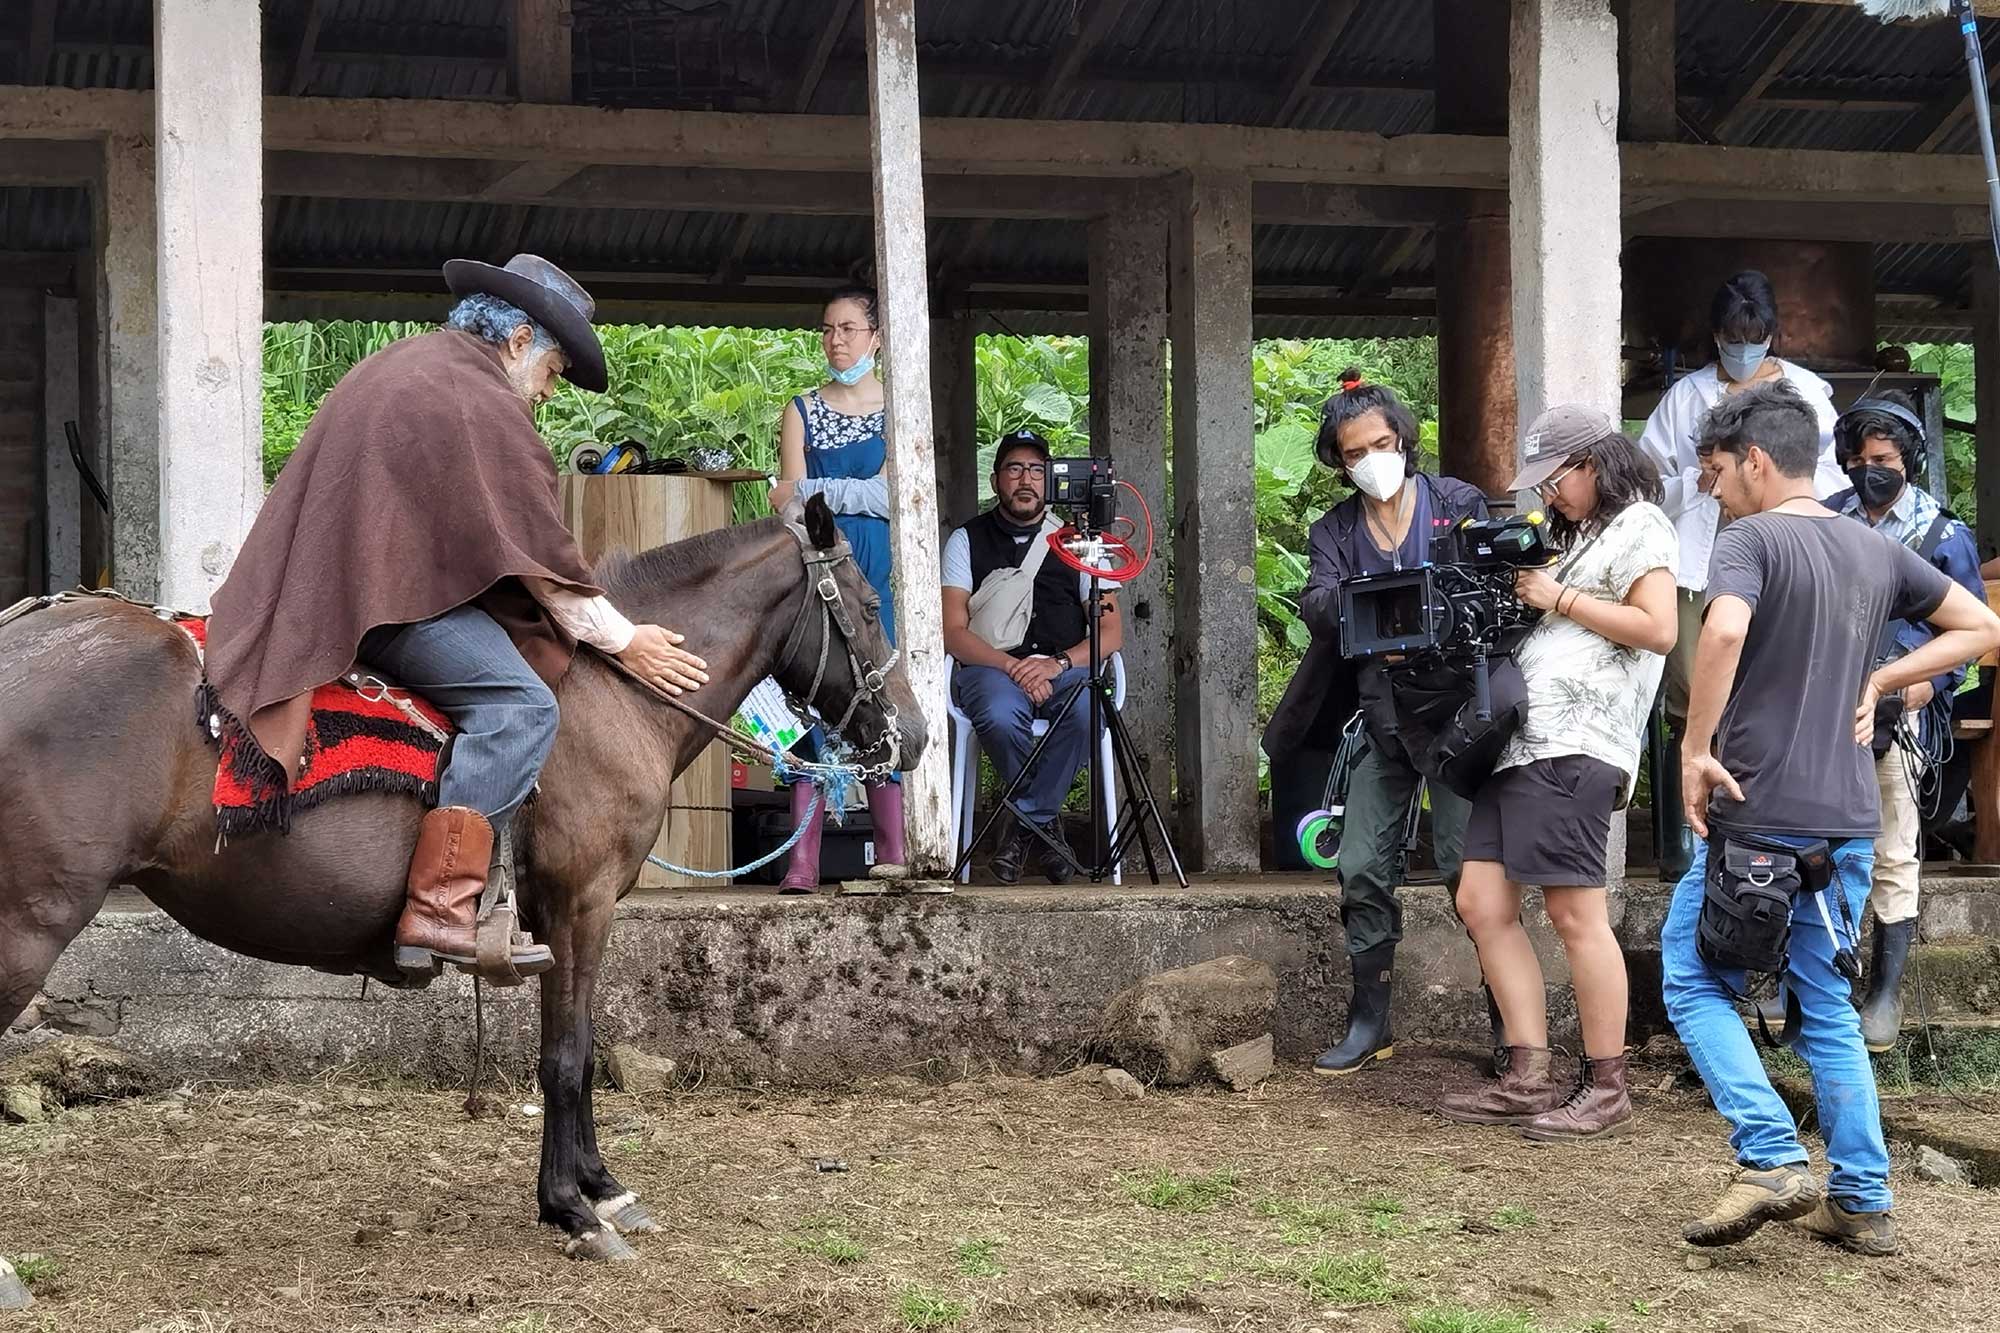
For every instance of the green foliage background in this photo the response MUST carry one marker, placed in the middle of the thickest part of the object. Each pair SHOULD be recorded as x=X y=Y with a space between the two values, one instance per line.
x=676 y=389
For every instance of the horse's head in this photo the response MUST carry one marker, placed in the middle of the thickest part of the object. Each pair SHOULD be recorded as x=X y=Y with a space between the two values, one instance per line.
x=838 y=659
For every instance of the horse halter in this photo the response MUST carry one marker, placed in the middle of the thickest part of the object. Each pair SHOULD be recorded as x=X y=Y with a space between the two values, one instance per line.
x=870 y=681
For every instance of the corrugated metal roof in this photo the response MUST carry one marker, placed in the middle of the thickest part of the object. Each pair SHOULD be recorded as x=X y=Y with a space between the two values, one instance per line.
x=44 y=219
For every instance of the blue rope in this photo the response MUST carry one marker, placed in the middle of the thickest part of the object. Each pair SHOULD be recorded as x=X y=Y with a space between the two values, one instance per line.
x=830 y=784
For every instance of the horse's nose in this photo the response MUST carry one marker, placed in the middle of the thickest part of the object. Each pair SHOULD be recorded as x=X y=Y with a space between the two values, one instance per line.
x=914 y=735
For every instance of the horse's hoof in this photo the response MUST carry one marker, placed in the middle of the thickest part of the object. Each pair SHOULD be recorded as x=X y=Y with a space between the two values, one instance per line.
x=13 y=1292
x=603 y=1245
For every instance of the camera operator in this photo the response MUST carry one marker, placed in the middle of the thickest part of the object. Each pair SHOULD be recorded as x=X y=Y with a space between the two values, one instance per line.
x=1591 y=666
x=1743 y=320
x=1369 y=437
x=1879 y=442
x=1787 y=809
x=1004 y=686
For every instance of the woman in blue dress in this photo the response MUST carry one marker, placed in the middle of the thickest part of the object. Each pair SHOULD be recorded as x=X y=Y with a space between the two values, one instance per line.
x=830 y=443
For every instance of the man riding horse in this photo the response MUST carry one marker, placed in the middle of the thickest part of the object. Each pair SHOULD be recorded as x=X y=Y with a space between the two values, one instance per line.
x=417 y=529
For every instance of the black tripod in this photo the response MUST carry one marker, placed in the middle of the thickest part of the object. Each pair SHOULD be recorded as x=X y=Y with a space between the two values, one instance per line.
x=1139 y=803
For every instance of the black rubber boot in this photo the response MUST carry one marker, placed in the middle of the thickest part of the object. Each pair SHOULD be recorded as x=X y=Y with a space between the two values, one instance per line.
x=1882 y=1008
x=1368 y=1037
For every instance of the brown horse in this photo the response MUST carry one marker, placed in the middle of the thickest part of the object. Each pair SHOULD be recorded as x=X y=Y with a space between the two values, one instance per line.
x=108 y=781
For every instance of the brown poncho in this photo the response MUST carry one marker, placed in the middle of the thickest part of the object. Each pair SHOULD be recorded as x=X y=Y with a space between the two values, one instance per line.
x=421 y=485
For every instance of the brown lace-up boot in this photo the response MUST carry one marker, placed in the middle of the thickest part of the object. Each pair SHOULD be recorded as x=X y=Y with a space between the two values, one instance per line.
x=1601 y=1104
x=1524 y=1091
x=448 y=872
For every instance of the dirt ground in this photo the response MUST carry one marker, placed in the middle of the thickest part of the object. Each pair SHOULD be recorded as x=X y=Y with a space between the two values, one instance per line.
x=989 y=1204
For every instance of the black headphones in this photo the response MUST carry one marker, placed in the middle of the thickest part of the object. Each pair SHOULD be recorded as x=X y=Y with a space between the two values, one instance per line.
x=1913 y=468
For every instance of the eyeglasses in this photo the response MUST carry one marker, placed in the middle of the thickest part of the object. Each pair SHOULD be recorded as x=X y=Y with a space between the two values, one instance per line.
x=1548 y=488
x=843 y=332
x=1015 y=471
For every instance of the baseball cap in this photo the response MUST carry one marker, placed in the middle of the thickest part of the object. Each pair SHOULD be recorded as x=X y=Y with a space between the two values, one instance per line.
x=1563 y=430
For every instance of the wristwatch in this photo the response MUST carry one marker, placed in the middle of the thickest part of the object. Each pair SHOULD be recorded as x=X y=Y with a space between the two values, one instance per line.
x=1064 y=659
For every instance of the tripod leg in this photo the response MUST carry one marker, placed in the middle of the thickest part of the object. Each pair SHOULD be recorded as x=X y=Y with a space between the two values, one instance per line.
x=1008 y=798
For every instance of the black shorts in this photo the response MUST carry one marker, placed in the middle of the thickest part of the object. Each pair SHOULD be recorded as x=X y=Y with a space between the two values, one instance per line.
x=1548 y=822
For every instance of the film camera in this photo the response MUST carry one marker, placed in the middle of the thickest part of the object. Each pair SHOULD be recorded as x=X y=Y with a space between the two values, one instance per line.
x=1086 y=486
x=1460 y=605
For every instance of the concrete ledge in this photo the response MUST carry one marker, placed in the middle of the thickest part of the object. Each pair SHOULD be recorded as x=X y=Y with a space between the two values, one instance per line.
x=743 y=985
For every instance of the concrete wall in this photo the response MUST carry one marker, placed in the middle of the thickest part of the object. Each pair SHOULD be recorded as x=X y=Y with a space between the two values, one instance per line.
x=20 y=441
x=820 y=991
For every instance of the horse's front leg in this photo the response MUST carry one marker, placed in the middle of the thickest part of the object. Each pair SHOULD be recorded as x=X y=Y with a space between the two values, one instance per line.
x=576 y=929
x=610 y=1200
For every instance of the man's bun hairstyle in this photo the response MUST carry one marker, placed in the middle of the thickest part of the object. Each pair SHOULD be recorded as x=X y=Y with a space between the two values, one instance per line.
x=1357 y=398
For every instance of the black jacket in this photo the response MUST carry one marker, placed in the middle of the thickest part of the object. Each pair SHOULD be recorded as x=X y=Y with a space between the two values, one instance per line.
x=1323 y=693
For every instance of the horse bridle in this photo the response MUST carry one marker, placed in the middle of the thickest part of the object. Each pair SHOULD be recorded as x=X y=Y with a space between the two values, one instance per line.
x=870 y=681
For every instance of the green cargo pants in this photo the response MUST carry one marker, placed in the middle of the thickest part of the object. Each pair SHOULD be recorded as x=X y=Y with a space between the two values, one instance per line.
x=1371 y=837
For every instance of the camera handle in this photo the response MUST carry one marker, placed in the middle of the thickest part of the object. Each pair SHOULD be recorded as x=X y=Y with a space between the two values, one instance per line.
x=1482 y=689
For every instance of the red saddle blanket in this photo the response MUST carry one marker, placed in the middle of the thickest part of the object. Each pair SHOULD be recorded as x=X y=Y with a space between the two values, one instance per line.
x=362 y=736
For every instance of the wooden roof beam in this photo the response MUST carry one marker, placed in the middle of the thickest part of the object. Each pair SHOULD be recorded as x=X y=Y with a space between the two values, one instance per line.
x=1796 y=29
x=1062 y=72
x=1316 y=43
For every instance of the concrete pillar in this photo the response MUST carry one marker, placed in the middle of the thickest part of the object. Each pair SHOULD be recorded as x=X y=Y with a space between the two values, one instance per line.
x=62 y=402
x=210 y=133
x=897 y=153
x=1646 y=89
x=955 y=389
x=1215 y=577
x=1986 y=397
x=1563 y=148
x=1477 y=428
x=1563 y=116
x=128 y=361
x=1128 y=421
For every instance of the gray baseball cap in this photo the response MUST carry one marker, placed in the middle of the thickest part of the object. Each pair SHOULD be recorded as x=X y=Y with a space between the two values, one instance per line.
x=1562 y=431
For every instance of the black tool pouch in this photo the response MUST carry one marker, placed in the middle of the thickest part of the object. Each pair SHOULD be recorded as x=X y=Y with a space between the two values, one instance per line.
x=1746 y=905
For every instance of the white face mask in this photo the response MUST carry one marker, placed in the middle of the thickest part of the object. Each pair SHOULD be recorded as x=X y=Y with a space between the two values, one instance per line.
x=1380 y=474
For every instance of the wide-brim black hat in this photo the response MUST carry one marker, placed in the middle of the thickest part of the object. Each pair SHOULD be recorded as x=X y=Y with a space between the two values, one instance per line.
x=551 y=297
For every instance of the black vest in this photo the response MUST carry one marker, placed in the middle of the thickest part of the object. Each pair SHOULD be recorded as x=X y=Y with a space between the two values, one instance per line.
x=1057 y=622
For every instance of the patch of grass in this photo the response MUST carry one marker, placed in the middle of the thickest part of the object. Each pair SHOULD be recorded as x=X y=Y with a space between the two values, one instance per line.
x=1383 y=1215
x=1513 y=1217
x=1597 y=1325
x=527 y=1323
x=1964 y=1061
x=1644 y=1309
x=1170 y=1192
x=976 y=1258
x=1457 y=1319
x=829 y=1242
x=1303 y=1221
x=34 y=1268
x=629 y=1146
x=1360 y=1278
x=921 y=1308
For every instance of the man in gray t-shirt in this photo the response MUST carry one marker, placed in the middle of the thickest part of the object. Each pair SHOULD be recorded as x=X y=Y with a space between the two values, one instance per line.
x=1780 y=710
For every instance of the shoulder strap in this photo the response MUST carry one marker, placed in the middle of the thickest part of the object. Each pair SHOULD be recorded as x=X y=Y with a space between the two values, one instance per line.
x=1934 y=534
x=1038 y=550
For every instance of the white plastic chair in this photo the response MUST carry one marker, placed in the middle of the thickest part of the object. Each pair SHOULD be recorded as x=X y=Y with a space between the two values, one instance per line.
x=965 y=764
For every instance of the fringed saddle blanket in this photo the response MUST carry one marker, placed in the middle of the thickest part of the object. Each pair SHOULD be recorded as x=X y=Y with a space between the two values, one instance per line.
x=363 y=736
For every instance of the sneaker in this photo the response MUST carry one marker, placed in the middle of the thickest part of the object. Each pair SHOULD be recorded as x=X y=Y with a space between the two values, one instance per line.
x=1872 y=1234
x=1777 y=1195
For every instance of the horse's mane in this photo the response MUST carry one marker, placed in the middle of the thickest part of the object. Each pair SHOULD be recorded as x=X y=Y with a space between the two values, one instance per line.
x=677 y=564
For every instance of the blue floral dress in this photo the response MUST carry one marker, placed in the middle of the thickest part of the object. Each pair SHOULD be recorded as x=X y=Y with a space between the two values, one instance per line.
x=852 y=447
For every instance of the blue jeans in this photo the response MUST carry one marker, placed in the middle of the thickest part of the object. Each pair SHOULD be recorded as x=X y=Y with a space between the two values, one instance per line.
x=506 y=717
x=1703 y=1012
x=1004 y=719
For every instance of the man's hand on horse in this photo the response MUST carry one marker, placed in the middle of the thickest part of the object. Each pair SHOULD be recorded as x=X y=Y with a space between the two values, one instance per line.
x=656 y=655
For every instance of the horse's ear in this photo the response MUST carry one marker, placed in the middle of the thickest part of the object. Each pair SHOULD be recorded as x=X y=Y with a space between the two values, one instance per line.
x=794 y=511
x=819 y=523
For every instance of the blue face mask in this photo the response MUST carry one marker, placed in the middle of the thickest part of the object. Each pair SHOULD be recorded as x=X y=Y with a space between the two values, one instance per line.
x=1741 y=360
x=853 y=374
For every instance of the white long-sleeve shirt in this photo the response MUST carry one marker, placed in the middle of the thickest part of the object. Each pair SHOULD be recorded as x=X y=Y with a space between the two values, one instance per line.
x=1669 y=440
x=591 y=620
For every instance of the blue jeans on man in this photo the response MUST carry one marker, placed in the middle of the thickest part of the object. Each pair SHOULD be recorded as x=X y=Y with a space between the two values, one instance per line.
x=1004 y=718
x=1703 y=1011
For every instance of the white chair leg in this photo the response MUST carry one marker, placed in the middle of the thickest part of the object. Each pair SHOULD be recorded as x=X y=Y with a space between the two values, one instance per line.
x=1110 y=779
x=965 y=793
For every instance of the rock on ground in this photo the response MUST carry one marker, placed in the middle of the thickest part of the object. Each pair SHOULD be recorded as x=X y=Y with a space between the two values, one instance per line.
x=78 y=1069
x=1244 y=1066
x=1935 y=1166
x=1119 y=1086
x=1164 y=1029
x=633 y=1070
x=21 y=1103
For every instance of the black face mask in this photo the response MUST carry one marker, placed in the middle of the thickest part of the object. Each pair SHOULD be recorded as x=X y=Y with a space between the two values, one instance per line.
x=1876 y=485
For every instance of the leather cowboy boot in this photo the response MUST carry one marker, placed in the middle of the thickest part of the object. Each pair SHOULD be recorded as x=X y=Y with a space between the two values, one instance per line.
x=802 y=870
x=1525 y=1090
x=1368 y=1035
x=885 y=813
x=448 y=872
x=1601 y=1104
x=1882 y=1010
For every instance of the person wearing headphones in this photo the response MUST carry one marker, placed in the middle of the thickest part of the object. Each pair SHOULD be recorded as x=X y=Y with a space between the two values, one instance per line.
x=1369 y=437
x=1881 y=447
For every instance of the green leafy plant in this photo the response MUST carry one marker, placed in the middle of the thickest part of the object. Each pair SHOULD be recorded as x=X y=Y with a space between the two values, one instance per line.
x=921 y=1308
x=1456 y=1319
x=977 y=1258
x=1165 y=1190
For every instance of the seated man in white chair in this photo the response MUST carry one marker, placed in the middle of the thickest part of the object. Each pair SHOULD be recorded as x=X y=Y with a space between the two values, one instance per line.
x=1015 y=620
